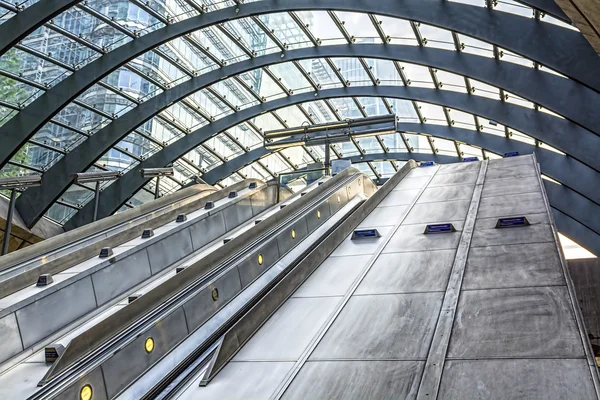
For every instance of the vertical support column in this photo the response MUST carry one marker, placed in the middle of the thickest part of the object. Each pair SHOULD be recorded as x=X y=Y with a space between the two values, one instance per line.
x=328 y=157
x=434 y=366
x=157 y=189
x=9 y=217
x=96 y=201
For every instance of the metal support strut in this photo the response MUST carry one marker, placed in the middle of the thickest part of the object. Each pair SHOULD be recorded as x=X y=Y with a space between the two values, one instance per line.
x=9 y=217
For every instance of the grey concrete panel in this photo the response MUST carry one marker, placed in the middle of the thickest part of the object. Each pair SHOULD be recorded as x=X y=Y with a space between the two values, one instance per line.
x=515 y=205
x=412 y=238
x=117 y=278
x=408 y=272
x=399 y=198
x=250 y=269
x=509 y=186
x=458 y=168
x=522 y=322
x=410 y=183
x=94 y=379
x=487 y=235
x=207 y=229
x=237 y=213
x=132 y=360
x=199 y=308
x=391 y=326
x=252 y=380
x=10 y=342
x=333 y=277
x=423 y=171
x=446 y=193
x=445 y=211
x=169 y=250
x=356 y=380
x=20 y=382
x=313 y=220
x=285 y=240
x=358 y=247
x=517 y=379
x=289 y=331
x=46 y=315
x=383 y=216
x=459 y=178
x=517 y=265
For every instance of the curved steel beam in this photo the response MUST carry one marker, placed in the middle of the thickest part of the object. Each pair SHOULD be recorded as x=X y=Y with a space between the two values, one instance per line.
x=582 y=214
x=15 y=29
x=576 y=231
x=563 y=50
x=563 y=96
x=120 y=191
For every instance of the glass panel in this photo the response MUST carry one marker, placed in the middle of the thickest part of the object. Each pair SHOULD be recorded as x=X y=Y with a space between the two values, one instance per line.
x=393 y=142
x=352 y=71
x=433 y=113
x=359 y=25
x=322 y=27
x=399 y=31
x=404 y=110
x=286 y=30
x=385 y=71
x=436 y=37
x=452 y=82
x=291 y=77
x=418 y=75
x=321 y=73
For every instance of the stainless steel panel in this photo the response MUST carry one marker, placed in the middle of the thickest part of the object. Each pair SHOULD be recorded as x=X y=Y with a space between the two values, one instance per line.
x=399 y=198
x=408 y=272
x=10 y=342
x=289 y=331
x=412 y=238
x=446 y=193
x=514 y=205
x=410 y=183
x=510 y=171
x=333 y=277
x=509 y=186
x=285 y=241
x=313 y=220
x=523 y=322
x=338 y=200
x=511 y=162
x=238 y=212
x=262 y=200
x=459 y=168
x=358 y=380
x=202 y=306
x=132 y=360
x=21 y=381
x=486 y=235
x=383 y=216
x=390 y=326
x=94 y=379
x=462 y=178
x=46 y=315
x=357 y=247
x=117 y=278
x=207 y=229
x=513 y=266
x=517 y=379
x=241 y=381
x=438 y=212
x=250 y=269
x=169 y=250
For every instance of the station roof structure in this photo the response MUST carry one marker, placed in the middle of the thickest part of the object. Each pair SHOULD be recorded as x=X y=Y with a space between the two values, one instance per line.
x=129 y=84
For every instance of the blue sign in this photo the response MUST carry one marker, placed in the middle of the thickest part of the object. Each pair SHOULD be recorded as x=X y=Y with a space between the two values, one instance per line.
x=232 y=194
x=365 y=234
x=511 y=154
x=147 y=233
x=469 y=159
x=512 y=222
x=440 y=228
x=427 y=164
x=105 y=252
x=253 y=185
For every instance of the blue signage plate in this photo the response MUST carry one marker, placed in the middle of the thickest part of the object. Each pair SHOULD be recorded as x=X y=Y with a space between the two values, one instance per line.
x=470 y=159
x=512 y=222
x=366 y=234
x=440 y=228
x=511 y=154
x=427 y=164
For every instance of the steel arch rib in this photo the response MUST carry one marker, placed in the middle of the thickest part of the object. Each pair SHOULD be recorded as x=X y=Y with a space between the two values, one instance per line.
x=563 y=96
x=566 y=51
x=15 y=29
x=119 y=192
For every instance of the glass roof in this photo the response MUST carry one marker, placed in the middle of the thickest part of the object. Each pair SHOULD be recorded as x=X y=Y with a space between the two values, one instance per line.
x=84 y=32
